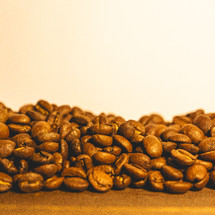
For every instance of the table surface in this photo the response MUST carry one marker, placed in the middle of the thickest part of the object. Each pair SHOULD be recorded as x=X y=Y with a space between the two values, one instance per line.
x=128 y=201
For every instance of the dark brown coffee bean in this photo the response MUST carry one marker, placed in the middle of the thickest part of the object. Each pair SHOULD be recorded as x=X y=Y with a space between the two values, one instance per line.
x=65 y=129
x=42 y=157
x=179 y=138
x=23 y=139
x=141 y=160
x=64 y=149
x=46 y=170
x=201 y=184
x=157 y=163
x=181 y=120
x=123 y=143
x=139 y=127
x=156 y=181
x=208 y=144
x=36 y=116
x=203 y=122
x=84 y=161
x=89 y=149
x=49 y=147
x=58 y=160
x=40 y=127
x=53 y=183
x=6 y=148
x=102 y=140
x=43 y=107
x=196 y=173
x=182 y=157
x=122 y=181
x=23 y=166
x=108 y=169
x=153 y=146
x=208 y=156
x=25 y=108
x=120 y=162
x=137 y=139
x=208 y=165
x=4 y=131
x=76 y=184
x=74 y=172
x=54 y=119
x=5 y=182
x=115 y=150
x=48 y=137
x=171 y=173
x=19 y=119
x=8 y=166
x=193 y=149
x=168 y=146
x=193 y=132
x=100 y=181
x=103 y=158
x=24 y=152
x=80 y=119
x=17 y=129
x=101 y=129
x=30 y=182
x=75 y=147
x=3 y=115
x=136 y=172
x=177 y=187
x=126 y=130
x=74 y=133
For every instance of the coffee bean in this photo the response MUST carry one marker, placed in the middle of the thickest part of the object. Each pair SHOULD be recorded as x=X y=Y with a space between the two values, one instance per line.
x=141 y=160
x=168 y=146
x=84 y=161
x=103 y=158
x=193 y=149
x=208 y=144
x=152 y=146
x=76 y=184
x=203 y=122
x=177 y=187
x=4 y=131
x=208 y=156
x=122 y=181
x=115 y=150
x=23 y=166
x=120 y=162
x=46 y=170
x=3 y=115
x=40 y=127
x=19 y=119
x=35 y=115
x=101 y=129
x=139 y=127
x=58 y=160
x=181 y=120
x=156 y=181
x=73 y=172
x=179 y=138
x=208 y=165
x=5 y=182
x=53 y=183
x=201 y=184
x=43 y=107
x=157 y=163
x=136 y=172
x=23 y=139
x=81 y=119
x=17 y=129
x=25 y=152
x=196 y=173
x=49 y=147
x=123 y=143
x=6 y=148
x=42 y=157
x=102 y=140
x=183 y=157
x=126 y=130
x=48 y=137
x=171 y=173
x=8 y=166
x=89 y=149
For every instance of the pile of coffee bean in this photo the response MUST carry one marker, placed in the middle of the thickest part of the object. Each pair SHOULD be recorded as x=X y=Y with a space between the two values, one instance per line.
x=49 y=147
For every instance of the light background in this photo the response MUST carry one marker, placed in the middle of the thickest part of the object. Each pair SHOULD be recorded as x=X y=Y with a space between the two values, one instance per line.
x=126 y=57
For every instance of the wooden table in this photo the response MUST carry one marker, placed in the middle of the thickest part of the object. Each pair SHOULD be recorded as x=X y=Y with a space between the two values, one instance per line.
x=128 y=201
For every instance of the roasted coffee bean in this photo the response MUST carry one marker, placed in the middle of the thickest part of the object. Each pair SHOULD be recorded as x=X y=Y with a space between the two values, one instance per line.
x=84 y=161
x=25 y=152
x=100 y=181
x=137 y=139
x=8 y=166
x=42 y=157
x=153 y=146
x=101 y=129
x=208 y=165
x=203 y=122
x=103 y=158
x=123 y=143
x=3 y=115
x=157 y=163
x=40 y=127
x=168 y=146
x=141 y=160
x=89 y=149
x=193 y=149
x=17 y=129
x=102 y=140
x=5 y=182
x=108 y=169
x=193 y=132
x=4 y=131
x=43 y=107
x=208 y=144
x=48 y=137
x=64 y=149
x=25 y=108
x=168 y=132
x=193 y=114
x=65 y=129
x=76 y=184
x=74 y=133
x=136 y=172
x=208 y=156
x=179 y=138
x=177 y=187
x=85 y=139
x=126 y=130
x=171 y=173
x=141 y=183
x=6 y=148
x=30 y=182
x=23 y=140
x=73 y=172
x=19 y=119
x=35 y=115
x=120 y=162
x=212 y=179
x=122 y=181
x=53 y=183
x=23 y=166
x=181 y=120
x=115 y=150
x=58 y=160
x=49 y=147
x=183 y=157
x=75 y=147
x=156 y=181
x=139 y=127
x=81 y=119
x=196 y=173
x=46 y=170
x=201 y=184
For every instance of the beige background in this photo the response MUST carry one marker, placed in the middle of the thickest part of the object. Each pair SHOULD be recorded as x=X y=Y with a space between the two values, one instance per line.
x=127 y=57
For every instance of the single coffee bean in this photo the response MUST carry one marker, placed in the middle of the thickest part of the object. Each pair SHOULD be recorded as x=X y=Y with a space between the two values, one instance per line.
x=36 y=116
x=23 y=139
x=103 y=158
x=58 y=160
x=108 y=169
x=157 y=163
x=19 y=119
x=17 y=129
x=74 y=172
x=141 y=160
x=65 y=129
x=193 y=149
x=30 y=182
x=102 y=140
x=23 y=166
x=24 y=152
x=43 y=107
x=123 y=143
x=63 y=110
x=42 y=157
x=54 y=119
x=193 y=132
x=168 y=146
x=5 y=182
x=156 y=181
x=136 y=172
x=8 y=166
x=40 y=127
x=46 y=170
x=6 y=148
x=203 y=122
x=193 y=114
x=126 y=130
x=120 y=162
x=81 y=119
x=179 y=138
x=208 y=156
x=75 y=147
x=182 y=157
x=100 y=181
x=181 y=120
x=115 y=150
x=49 y=147
x=177 y=187
x=208 y=165
x=84 y=161
x=4 y=131
x=3 y=115
x=171 y=173
x=208 y=144
x=101 y=129
x=53 y=183
x=74 y=133
x=48 y=137
x=141 y=183
x=122 y=181
x=137 y=139
x=201 y=184
x=139 y=127
x=64 y=149
x=25 y=108
x=152 y=146
x=196 y=173
x=169 y=132
x=76 y=184
x=89 y=149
